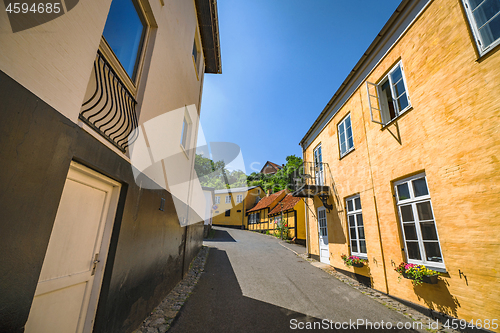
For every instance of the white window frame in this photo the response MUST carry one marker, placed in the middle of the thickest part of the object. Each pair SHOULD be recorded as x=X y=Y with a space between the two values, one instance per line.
x=217 y=199
x=228 y=199
x=345 y=137
x=482 y=48
x=376 y=93
x=239 y=198
x=105 y=48
x=318 y=165
x=413 y=201
x=357 y=217
x=187 y=126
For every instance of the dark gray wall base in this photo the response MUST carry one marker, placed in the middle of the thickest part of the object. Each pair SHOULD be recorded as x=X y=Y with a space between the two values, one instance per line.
x=435 y=315
x=360 y=278
x=314 y=256
x=229 y=226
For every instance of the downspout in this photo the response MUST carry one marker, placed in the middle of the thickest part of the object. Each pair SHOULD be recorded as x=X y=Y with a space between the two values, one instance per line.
x=374 y=198
x=305 y=211
x=243 y=214
x=295 y=218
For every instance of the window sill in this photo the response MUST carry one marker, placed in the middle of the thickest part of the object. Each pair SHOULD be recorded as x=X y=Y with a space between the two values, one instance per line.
x=486 y=53
x=405 y=111
x=347 y=153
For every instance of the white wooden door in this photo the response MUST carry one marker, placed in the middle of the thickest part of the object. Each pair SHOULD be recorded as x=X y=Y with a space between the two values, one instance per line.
x=324 y=252
x=69 y=284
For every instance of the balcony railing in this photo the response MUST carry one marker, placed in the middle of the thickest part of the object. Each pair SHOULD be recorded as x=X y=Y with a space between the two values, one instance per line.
x=313 y=179
x=109 y=107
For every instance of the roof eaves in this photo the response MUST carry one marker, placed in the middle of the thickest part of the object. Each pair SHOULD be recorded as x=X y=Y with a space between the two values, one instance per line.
x=389 y=24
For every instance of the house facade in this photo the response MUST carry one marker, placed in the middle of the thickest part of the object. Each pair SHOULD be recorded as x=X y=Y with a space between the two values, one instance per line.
x=101 y=211
x=291 y=212
x=258 y=217
x=402 y=160
x=270 y=168
x=231 y=205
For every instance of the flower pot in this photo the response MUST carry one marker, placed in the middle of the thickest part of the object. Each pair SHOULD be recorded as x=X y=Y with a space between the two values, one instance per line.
x=430 y=279
x=358 y=264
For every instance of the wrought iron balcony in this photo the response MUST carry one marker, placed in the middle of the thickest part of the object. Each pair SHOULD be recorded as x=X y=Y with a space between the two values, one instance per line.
x=109 y=107
x=313 y=179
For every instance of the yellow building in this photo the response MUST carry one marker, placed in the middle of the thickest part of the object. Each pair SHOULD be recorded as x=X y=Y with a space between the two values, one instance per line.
x=291 y=211
x=231 y=205
x=404 y=160
x=257 y=217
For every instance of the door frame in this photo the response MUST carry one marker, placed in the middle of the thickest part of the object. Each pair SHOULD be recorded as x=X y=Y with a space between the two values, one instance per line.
x=83 y=175
x=106 y=239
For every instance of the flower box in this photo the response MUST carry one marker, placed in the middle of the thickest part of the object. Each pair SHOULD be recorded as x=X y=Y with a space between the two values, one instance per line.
x=417 y=273
x=353 y=261
x=430 y=279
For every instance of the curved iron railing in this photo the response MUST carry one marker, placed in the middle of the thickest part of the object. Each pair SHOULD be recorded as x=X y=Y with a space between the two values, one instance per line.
x=110 y=108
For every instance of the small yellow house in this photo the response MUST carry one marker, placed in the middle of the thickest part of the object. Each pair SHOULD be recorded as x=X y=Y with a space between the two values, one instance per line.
x=291 y=211
x=402 y=164
x=257 y=217
x=231 y=205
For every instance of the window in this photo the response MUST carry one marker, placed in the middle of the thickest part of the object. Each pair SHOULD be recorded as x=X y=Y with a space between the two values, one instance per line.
x=391 y=96
x=228 y=212
x=186 y=131
x=239 y=198
x=318 y=165
x=228 y=199
x=196 y=54
x=345 y=136
x=217 y=200
x=124 y=32
x=417 y=221
x=254 y=218
x=356 y=227
x=484 y=17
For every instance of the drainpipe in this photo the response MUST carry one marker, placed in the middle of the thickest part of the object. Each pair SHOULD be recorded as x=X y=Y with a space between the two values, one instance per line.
x=305 y=208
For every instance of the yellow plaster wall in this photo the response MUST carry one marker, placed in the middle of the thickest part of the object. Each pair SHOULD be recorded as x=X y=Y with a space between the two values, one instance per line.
x=236 y=218
x=451 y=133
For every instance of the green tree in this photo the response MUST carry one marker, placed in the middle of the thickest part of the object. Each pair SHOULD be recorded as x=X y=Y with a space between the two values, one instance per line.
x=283 y=179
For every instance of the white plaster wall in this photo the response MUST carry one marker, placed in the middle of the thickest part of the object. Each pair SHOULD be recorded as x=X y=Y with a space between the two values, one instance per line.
x=54 y=60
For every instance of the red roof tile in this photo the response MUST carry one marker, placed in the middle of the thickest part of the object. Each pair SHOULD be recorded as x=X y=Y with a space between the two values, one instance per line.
x=288 y=203
x=266 y=201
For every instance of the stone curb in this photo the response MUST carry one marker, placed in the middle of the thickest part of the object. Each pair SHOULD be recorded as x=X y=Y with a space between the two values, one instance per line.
x=166 y=312
x=382 y=298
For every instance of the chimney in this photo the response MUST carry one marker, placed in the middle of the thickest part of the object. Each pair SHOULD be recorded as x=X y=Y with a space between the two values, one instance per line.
x=268 y=192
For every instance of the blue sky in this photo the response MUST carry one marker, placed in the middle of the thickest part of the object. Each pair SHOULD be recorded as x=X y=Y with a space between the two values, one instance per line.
x=282 y=61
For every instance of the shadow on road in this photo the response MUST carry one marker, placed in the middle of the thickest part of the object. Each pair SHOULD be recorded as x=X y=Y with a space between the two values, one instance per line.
x=218 y=305
x=220 y=236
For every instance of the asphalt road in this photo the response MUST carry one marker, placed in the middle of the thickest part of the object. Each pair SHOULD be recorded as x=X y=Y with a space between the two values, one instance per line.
x=254 y=284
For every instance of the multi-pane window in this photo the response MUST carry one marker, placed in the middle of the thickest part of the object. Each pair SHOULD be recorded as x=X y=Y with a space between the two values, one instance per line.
x=228 y=199
x=322 y=222
x=417 y=221
x=391 y=95
x=318 y=165
x=124 y=32
x=356 y=226
x=228 y=212
x=484 y=16
x=346 y=141
x=254 y=218
x=217 y=200
x=239 y=198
